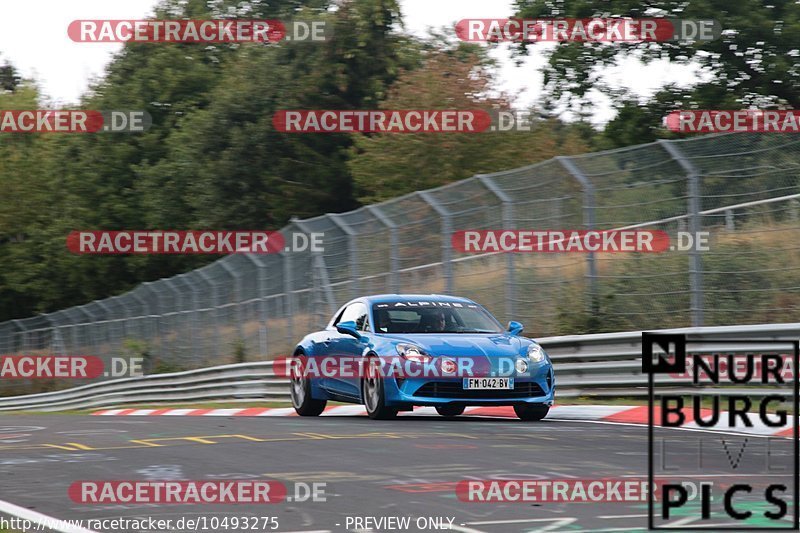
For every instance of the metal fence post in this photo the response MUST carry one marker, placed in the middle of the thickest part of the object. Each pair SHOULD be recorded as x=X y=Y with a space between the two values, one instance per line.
x=447 y=232
x=288 y=290
x=155 y=317
x=394 y=257
x=319 y=271
x=695 y=225
x=19 y=335
x=177 y=300
x=589 y=204
x=144 y=327
x=262 y=302
x=320 y=275
x=107 y=321
x=122 y=327
x=198 y=329
x=55 y=334
x=68 y=324
x=90 y=325
x=214 y=306
x=237 y=296
x=191 y=315
x=352 y=242
x=508 y=223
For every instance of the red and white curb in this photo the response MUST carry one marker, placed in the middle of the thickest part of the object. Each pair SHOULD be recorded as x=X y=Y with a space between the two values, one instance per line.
x=599 y=413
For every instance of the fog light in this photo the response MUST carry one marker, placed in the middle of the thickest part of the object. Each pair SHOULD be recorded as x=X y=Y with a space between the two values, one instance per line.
x=521 y=365
x=448 y=366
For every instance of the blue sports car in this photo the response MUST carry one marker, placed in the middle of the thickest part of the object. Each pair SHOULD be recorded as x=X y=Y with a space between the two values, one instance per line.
x=394 y=351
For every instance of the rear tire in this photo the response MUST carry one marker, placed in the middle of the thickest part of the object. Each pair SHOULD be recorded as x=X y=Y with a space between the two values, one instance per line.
x=303 y=403
x=531 y=413
x=450 y=410
x=373 y=395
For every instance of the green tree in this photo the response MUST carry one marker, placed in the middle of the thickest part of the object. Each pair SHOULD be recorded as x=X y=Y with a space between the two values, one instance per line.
x=452 y=77
x=755 y=62
x=641 y=120
x=227 y=164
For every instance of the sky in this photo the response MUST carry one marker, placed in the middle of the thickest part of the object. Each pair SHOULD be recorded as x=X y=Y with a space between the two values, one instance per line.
x=64 y=69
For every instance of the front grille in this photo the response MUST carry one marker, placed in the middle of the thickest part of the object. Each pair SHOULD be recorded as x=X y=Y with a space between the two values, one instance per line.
x=454 y=389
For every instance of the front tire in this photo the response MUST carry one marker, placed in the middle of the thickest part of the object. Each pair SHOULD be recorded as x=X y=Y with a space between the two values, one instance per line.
x=450 y=410
x=303 y=403
x=531 y=413
x=373 y=395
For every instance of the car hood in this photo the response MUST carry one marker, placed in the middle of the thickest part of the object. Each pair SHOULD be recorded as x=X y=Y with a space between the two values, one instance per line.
x=463 y=344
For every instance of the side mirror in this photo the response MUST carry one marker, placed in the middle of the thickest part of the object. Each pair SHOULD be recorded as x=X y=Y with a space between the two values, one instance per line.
x=348 y=328
x=515 y=328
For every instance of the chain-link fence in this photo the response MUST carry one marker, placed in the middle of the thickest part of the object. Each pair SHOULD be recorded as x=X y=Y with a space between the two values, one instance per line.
x=742 y=188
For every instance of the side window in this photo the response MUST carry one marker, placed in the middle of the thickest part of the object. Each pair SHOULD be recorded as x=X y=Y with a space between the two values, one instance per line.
x=357 y=313
x=362 y=323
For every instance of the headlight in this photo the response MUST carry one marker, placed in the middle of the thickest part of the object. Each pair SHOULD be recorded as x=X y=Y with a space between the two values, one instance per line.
x=535 y=353
x=521 y=365
x=413 y=352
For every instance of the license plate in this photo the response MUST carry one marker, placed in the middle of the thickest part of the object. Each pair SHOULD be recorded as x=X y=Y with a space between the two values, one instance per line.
x=488 y=383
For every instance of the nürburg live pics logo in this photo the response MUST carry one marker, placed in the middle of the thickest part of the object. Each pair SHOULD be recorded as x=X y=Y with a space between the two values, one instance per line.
x=732 y=463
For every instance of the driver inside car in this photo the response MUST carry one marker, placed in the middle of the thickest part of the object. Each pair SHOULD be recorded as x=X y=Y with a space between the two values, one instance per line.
x=434 y=322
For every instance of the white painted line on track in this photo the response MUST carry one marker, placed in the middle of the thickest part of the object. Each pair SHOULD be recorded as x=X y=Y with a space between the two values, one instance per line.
x=613 y=516
x=560 y=521
x=47 y=522
x=615 y=530
x=464 y=529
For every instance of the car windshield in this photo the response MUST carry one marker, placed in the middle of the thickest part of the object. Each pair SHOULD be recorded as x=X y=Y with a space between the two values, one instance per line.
x=433 y=317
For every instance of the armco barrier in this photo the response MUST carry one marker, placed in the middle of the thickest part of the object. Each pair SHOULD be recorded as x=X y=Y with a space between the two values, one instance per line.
x=229 y=382
x=600 y=365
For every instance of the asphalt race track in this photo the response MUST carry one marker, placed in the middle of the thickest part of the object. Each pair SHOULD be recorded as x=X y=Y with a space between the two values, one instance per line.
x=401 y=468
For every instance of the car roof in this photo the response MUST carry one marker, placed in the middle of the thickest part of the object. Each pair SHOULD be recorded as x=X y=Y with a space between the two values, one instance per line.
x=379 y=298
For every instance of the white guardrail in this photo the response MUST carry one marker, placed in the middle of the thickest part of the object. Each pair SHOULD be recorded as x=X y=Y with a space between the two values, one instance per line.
x=599 y=365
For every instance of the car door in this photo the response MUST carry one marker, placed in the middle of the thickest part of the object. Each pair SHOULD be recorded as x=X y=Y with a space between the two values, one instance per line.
x=349 y=348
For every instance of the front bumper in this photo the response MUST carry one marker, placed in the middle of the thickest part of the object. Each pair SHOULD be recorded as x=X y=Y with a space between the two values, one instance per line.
x=536 y=388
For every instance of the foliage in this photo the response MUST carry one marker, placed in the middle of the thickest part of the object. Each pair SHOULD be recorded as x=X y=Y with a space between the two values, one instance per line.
x=754 y=63
x=451 y=77
x=210 y=160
